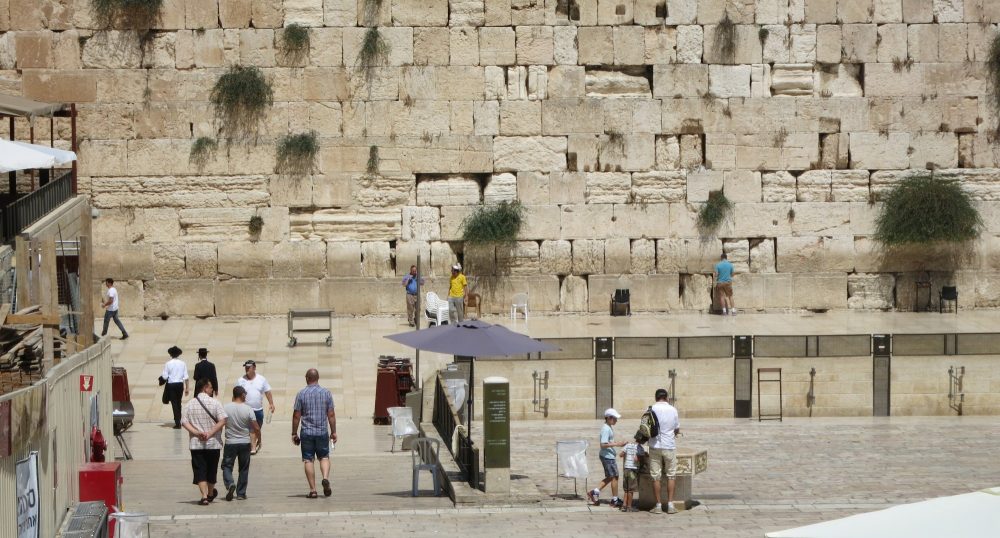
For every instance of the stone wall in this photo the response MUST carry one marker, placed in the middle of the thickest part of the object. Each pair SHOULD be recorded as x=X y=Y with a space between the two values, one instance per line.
x=610 y=120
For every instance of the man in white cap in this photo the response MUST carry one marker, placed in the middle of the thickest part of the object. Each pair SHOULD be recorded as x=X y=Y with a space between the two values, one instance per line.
x=609 y=460
x=457 y=287
x=257 y=389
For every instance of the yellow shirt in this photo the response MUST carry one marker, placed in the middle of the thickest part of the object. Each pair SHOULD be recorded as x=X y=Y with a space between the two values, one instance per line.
x=456 y=286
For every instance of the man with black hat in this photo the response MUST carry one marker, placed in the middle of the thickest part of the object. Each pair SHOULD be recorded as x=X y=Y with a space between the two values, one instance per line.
x=257 y=388
x=175 y=374
x=206 y=370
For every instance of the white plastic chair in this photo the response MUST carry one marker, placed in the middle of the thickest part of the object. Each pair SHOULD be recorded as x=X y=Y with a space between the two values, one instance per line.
x=571 y=462
x=402 y=424
x=520 y=302
x=435 y=309
x=425 y=454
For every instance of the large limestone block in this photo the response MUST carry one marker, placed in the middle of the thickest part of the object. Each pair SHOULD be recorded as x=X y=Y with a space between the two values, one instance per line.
x=203 y=14
x=617 y=255
x=201 y=260
x=779 y=150
x=934 y=150
x=602 y=83
x=860 y=43
x=420 y=12
x=763 y=219
x=819 y=291
x=479 y=259
x=681 y=80
x=643 y=254
x=697 y=292
x=521 y=257
x=467 y=13
x=181 y=192
x=535 y=45
x=520 y=118
x=179 y=298
x=668 y=152
x=778 y=292
x=729 y=80
x=573 y=294
x=660 y=43
x=891 y=43
x=407 y=253
x=464 y=46
x=566 y=81
x=687 y=255
x=340 y=224
x=815 y=254
x=452 y=218
x=234 y=13
x=742 y=185
x=849 y=185
x=762 y=256
x=399 y=41
x=449 y=190
x=588 y=221
x=168 y=261
x=750 y=292
x=564 y=43
x=442 y=258
x=792 y=79
x=691 y=152
x=501 y=188
x=544 y=153
x=360 y=296
x=875 y=151
x=555 y=257
x=629 y=43
x=245 y=259
x=588 y=256
x=814 y=186
x=532 y=187
x=658 y=187
x=648 y=293
x=701 y=183
x=819 y=218
x=431 y=46
x=607 y=188
x=738 y=253
x=124 y=262
x=248 y=297
x=828 y=43
x=421 y=223
x=266 y=14
x=299 y=259
x=567 y=116
x=376 y=259
x=690 y=39
x=872 y=257
x=541 y=222
x=871 y=291
x=596 y=45
x=497 y=46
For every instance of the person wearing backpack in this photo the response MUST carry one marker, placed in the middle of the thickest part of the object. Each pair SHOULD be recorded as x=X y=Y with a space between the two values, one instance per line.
x=661 y=424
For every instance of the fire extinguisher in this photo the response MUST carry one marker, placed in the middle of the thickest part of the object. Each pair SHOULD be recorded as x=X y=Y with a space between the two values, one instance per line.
x=97 y=445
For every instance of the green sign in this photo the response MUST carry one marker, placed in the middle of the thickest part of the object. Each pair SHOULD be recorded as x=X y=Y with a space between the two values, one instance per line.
x=496 y=423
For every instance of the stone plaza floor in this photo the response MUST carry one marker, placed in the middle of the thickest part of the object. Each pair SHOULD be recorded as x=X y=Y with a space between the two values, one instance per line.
x=761 y=476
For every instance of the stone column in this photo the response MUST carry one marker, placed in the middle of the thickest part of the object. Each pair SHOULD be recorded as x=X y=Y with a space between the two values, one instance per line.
x=496 y=435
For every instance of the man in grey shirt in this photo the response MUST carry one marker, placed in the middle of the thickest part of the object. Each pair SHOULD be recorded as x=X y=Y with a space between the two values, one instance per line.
x=240 y=421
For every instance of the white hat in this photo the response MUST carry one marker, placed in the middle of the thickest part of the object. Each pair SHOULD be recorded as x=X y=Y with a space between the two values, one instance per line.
x=457 y=267
x=612 y=413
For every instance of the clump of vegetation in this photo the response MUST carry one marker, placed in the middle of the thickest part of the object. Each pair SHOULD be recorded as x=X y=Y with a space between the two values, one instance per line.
x=714 y=212
x=493 y=224
x=614 y=145
x=993 y=74
x=926 y=209
x=240 y=100
x=255 y=226
x=725 y=39
x=296 y=154
x=371 y=168
x=374 y=51
x=372 y=8
x=126 y=14
x=763 y=34
x=203 y=150
x=899 y=64
x=294 y=43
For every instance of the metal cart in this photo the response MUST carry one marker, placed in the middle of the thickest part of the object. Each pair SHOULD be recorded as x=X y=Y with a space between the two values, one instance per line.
x=307 y=313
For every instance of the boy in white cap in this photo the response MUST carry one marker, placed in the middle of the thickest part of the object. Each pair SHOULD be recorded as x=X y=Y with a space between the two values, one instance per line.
x=609 y=459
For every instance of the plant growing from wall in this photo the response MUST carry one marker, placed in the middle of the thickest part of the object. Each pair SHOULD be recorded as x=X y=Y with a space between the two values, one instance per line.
x=240 y=100
x=714 y=212
x=724 y=41
x=294 y=43
x=255 y=226
x=202 y=150
x=925 y=209
x=296 y=154
x=492 y=229
x=374 y=52
x=614 y=145
x=993 y=74
x=126 y=14
x=371 y=168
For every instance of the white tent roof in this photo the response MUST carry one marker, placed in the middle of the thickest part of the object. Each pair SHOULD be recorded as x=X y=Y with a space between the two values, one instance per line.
x=23 y=156
x=970 y=515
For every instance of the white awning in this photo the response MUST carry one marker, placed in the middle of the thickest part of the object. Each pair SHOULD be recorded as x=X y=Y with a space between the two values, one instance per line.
x=23 y=156
x=971 y=515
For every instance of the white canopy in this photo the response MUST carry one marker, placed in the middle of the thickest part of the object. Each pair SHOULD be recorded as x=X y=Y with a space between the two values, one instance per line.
x=970 y=515
x=23 y=156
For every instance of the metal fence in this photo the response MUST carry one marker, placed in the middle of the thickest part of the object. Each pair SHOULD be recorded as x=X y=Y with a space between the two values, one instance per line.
x=52 y=417
x=445 y=421
x=33 y=206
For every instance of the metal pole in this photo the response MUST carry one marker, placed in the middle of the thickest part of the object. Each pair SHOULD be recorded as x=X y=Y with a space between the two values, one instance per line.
x=416 y=364
x=472 y=384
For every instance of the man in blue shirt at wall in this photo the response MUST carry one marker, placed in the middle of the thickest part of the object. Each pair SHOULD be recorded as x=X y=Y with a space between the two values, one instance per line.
x=724 y=285
x=410 y=282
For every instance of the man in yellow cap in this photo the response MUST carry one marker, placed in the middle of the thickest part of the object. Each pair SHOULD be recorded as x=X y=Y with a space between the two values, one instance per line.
x=457 y=288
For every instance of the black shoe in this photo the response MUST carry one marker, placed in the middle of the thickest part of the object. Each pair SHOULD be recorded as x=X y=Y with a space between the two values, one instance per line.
x=214 y=494
x=230 y=493
x=241 y=497
x=177 y=426
x=124 y=337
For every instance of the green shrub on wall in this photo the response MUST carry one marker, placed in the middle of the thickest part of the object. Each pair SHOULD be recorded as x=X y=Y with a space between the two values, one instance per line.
x=126 y=14
x=993 y=74
x=255 y=226
x=724 y=41
x=296 y=154
x=498 y=223
x=714 y=212
x=240 y=100
x=202 y=150
x=294 y=43
x=925 y=209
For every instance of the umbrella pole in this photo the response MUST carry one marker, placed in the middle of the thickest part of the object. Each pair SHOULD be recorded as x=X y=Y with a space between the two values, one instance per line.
x=416 y=362
x=472 y=384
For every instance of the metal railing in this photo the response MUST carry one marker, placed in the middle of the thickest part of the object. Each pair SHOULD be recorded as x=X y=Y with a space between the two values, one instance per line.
x=956 y=398
x=28 y=209
x=445 y=421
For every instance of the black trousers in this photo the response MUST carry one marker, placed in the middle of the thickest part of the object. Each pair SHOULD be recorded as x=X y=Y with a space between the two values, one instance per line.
x=174 y=393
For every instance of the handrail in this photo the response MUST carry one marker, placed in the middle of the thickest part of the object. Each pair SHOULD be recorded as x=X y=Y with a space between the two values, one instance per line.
x=30 y=208
x=445 y=422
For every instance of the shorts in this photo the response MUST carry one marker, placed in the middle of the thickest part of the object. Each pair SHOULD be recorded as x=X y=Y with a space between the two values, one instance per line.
x=610 y=467
x=315 y=447
x=725 y=288
x=631 y=480
x=205 y=465
x=662 y=461
x=259 y=413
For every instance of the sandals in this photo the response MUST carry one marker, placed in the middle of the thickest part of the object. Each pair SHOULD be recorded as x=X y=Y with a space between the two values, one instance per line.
x=312 y=495
x=211 y=496
x=327 y=491
x=204 y=501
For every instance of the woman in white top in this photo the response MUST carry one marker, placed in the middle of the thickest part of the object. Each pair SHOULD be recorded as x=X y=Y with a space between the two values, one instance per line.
x=204 y=418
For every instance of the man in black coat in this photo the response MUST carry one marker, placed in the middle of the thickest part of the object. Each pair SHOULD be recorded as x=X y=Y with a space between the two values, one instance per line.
x=206 y=370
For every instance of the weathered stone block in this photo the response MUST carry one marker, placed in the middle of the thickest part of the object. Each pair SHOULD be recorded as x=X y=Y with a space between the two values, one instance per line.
x=540 y=222
x=343 y=258
x=502 y=187
x=245 y=259
x=682 y=80
x=299 y=259
x=792 y=79
x=201 y=260
x=703 y=182
x=588 y=256
x=124 y=262
x=555 y=257
x=738 y=253
x=607 y=188
x=535 y=45
x=763 y=220
x=648 y=293
x=658 y=187
x=870 y=291
x=742 y=185
x=815 y=254
x=168 y=261
x=933 y=150
x=762 y=256
x=729 y=80
x=420 y=12
x=520 y=117
x=442 y=258
x=617 y=255
x=819 y=291
x=179 y=298
x=515 y=154
x=874 y=151
x=596 y=45
x=687 y=255
x=643 y=256
x=376 y=259
x=243 y=297
x=573 y=294
x=449 y=190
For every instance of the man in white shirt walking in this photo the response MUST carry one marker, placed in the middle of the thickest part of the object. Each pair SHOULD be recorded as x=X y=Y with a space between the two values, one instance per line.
x=257 y=388
x=663 y=450
x=175 y=375
x=111 y=309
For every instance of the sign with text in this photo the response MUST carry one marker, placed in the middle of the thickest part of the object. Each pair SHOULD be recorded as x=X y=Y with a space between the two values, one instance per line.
x=86 y=383
x=496 y=423
x=27 y=497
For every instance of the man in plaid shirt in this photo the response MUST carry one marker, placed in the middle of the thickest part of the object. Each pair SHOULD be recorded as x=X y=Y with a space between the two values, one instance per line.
x=314 y=410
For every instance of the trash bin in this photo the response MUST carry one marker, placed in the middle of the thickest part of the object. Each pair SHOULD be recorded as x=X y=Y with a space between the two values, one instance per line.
x=132 y=524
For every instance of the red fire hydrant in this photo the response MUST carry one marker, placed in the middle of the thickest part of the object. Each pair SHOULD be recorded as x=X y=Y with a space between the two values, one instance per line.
x=97 y=445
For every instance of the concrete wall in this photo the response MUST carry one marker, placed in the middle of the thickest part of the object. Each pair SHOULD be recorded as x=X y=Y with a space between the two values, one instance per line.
x=611 y=120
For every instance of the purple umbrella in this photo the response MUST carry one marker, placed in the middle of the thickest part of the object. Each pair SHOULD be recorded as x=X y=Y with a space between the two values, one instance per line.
x=471 y=338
